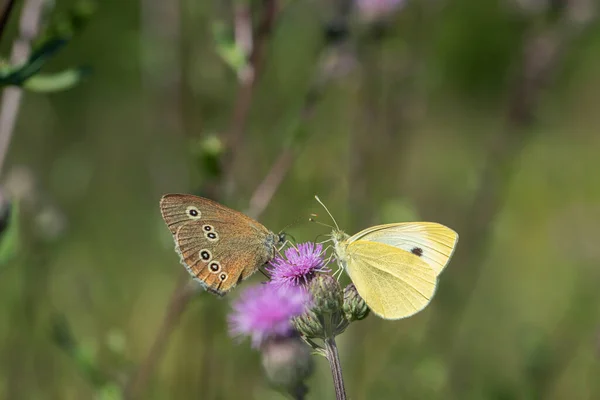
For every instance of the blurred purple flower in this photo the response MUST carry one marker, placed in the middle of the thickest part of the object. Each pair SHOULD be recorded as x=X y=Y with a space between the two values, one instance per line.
x=298 y=266
x=373 y=9
x=264 y=312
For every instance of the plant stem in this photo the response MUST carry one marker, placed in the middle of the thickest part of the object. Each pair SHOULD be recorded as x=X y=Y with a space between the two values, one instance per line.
x=299 y=392
x=29 y=26
x=331 y=352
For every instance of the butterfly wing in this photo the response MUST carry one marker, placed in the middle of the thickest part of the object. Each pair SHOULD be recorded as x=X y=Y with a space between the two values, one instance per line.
x=175 y=209
x=431 y=242
x=221 y=263
x=218 y=246
x=394 y=284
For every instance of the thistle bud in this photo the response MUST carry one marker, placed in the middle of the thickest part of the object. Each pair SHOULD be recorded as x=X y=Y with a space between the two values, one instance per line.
x=287 y=363
x=354 y=307
x=309 y=325
x=327 y=294
x=325 y=318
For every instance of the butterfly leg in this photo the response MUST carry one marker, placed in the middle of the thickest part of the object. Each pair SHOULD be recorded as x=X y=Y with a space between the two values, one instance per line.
x=325 y=251
x=329 y=260
x=325 y=241
x=285 y=244
x=338 y=272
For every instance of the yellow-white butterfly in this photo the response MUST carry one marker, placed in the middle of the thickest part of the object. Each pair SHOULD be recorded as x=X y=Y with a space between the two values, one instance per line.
x=395 y=267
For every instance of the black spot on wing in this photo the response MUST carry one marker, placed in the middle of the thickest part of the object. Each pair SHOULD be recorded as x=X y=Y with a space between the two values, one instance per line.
x=417 y=251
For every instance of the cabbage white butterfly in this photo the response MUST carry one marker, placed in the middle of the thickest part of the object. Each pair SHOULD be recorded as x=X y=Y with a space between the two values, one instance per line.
x=394 y=267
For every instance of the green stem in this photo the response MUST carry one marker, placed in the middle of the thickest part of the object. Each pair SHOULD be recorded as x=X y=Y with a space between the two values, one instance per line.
x=333 y=357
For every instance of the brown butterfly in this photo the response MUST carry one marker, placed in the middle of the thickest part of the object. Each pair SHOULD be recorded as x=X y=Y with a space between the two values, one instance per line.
x=219 y=247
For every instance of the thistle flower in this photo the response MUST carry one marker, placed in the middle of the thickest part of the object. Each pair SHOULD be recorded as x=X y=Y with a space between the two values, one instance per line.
x=264 y=312
x=298 y=267
x=375 y=9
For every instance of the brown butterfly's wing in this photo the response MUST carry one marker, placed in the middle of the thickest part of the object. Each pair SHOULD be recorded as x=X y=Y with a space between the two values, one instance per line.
x=176 y=208
x=219 y=246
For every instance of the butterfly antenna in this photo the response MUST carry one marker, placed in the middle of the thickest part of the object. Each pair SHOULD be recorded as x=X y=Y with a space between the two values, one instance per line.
x=326 y=209
x=295 y=222
x=312 y=219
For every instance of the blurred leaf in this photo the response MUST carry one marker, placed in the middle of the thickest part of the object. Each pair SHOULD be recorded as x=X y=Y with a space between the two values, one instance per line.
x=25 y=75
x=9 y=234
x=110 y=391
x=68 y=24
x=17 y=75
x=227 y=49
x=207 y=151
x=55 y=82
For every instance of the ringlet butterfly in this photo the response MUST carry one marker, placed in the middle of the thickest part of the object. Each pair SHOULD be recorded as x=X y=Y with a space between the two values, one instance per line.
x=395 y=267
x=219 y=247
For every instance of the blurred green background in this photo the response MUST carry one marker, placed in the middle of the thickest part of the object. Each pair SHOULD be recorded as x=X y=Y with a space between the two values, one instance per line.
x=480 y=115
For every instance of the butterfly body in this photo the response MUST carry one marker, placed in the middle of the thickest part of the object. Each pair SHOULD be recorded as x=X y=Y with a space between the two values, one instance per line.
x=395 y=267
x=219 y=246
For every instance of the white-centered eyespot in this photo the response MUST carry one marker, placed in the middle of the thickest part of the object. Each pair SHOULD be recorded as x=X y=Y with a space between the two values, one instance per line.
x=215 y=267
x=212 y=236
x=223 y=276
x=205 y=255
x=193 y=212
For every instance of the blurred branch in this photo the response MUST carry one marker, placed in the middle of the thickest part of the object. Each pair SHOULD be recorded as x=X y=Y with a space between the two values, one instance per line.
x=180 y=298
x=243 y=27
x=6 y=12
x=29 y=27
x=543 y=53
x=241 y=108
x=333 y=64
x=266 y=189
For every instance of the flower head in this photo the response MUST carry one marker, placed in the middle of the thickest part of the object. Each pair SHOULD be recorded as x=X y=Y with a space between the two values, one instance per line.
x=298 y=266
x=264 y=311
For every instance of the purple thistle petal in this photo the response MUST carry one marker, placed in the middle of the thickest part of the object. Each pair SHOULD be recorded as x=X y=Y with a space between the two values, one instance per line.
x=298 y=266
x=264 y=311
